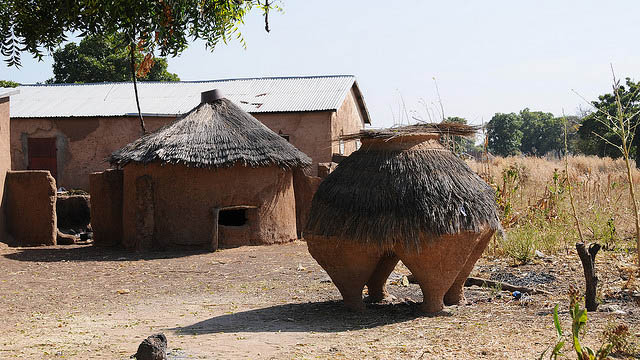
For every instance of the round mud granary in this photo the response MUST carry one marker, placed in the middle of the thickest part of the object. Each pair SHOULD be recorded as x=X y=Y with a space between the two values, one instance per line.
x=402 y=196
x=216 y=177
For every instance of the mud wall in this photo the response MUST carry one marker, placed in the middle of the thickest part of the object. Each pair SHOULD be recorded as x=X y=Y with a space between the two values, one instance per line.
x=310 y=132
x=5 y=160
x=106 y=207
x=82 y=144
x=305 y=187
x=31 y=207
x=184 y=199
x=347 y=120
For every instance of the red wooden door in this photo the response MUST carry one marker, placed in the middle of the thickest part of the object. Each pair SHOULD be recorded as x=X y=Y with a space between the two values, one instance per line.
x=42 y=155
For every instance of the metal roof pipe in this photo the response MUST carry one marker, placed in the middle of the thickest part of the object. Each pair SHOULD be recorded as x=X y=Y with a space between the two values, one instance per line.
x=211 y=96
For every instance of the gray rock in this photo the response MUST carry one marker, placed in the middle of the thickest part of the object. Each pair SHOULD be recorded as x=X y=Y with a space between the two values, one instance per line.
x=611 y=308
x=152 y=348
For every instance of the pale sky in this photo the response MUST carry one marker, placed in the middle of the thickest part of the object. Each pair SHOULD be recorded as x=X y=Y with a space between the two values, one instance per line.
x=487 y=56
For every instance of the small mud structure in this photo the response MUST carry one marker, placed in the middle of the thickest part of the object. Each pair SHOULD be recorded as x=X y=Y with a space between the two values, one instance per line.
x=214 y=178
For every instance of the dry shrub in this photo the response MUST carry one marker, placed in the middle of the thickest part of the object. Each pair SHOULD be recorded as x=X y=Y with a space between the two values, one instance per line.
x=621 y=338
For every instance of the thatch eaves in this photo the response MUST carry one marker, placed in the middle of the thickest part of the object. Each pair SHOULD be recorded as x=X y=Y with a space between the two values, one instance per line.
x=214 y=134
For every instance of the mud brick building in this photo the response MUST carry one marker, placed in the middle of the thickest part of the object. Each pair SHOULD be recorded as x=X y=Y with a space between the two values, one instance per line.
x=70 y=129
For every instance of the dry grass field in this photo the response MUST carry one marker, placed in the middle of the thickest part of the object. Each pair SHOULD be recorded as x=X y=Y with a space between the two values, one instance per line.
x=533 y=200
x=275 y=302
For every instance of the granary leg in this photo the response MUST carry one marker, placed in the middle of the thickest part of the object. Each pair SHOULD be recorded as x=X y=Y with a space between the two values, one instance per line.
x=348 y=265
x=432 y=283
x=378 y=280
x=455 y=295
x=437 y=264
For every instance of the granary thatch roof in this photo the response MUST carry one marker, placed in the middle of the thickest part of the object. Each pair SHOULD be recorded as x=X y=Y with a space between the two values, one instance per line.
x=214 y=134
x=383 y=195
x=443 y=128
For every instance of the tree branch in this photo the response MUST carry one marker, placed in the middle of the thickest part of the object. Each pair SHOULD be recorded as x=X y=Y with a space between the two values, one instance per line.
x=266 y=16
x=135 y=85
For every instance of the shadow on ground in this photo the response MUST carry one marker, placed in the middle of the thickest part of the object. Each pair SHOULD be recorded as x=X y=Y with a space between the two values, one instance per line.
x=93 y=253
x=326 y=316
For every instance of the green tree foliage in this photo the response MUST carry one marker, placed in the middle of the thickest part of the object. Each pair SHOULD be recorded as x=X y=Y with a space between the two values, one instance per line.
x=542 y=133
x=141 y=26
x=462 y=145
x=167 y=26
x=456 y=119
x=8 y=84
x=596 y=123
x=99 y=59
x=529 y=132
x=573 y=140
x=504 y=134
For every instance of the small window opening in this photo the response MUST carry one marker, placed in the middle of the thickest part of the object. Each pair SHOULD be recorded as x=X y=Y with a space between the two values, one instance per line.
x=232 y=217
x=341 y=149
x=284 y=136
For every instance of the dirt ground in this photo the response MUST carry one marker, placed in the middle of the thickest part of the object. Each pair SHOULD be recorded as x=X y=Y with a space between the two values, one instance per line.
x=275 y=302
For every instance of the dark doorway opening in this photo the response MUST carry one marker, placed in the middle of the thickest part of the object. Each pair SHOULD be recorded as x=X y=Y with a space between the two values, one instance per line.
x=42 y=155
x=235 y=217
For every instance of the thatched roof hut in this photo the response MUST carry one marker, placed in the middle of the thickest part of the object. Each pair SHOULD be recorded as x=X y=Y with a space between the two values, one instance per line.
x=401 y=183
x=404 y=196
x=214 y=134
x=216 y=177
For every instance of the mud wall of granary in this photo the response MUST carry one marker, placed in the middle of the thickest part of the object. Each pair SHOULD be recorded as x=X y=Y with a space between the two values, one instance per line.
x=31 y=207
x=305 y=187
x=82 y=144
x=310 y=132
x=106 y=206
x=5 y=160
x=184 y=198
x=347 y=120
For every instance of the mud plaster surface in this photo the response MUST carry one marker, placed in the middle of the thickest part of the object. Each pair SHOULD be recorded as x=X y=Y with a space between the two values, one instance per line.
x=31 y=207
x=178 y=202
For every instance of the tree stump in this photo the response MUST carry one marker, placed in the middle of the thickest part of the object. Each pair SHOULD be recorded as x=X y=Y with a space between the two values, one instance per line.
x=588 y=259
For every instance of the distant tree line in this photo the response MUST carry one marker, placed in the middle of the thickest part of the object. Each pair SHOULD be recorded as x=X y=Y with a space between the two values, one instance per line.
x=537 y=133
x=532 y=133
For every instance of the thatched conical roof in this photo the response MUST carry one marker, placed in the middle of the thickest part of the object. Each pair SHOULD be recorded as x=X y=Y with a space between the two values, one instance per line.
x=398 y=187
x=215 y=134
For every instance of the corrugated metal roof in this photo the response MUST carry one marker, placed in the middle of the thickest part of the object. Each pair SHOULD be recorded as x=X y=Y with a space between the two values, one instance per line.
x=254 y=95
x=4 y=92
